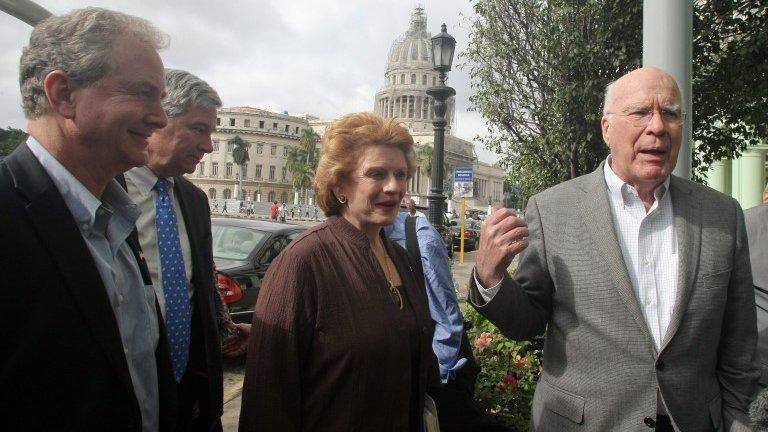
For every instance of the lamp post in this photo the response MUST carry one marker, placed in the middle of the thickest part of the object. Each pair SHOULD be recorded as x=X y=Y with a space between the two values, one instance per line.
x=443 y=46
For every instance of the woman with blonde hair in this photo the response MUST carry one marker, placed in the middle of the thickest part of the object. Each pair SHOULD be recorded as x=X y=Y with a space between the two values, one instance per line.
x=341 y=337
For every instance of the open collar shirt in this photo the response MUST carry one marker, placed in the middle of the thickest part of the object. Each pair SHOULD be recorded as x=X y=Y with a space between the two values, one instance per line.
x=105 y=225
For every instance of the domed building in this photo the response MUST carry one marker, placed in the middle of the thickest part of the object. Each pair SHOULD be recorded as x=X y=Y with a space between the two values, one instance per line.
x=408 y=74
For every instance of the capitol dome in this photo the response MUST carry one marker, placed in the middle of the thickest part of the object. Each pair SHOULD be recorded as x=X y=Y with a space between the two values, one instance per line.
x=408 y=74
x=412 y=49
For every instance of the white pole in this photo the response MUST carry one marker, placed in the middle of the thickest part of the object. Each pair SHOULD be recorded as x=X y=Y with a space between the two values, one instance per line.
x=667 y=45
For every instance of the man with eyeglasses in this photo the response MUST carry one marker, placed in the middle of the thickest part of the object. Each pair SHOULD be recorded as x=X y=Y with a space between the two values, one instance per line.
x=639 y=278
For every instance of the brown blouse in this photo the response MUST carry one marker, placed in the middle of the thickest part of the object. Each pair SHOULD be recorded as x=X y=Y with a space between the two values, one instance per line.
x=329 y=349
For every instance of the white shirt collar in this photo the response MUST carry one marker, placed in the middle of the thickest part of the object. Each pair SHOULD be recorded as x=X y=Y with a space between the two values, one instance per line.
x=144 y=179
x=619 y=190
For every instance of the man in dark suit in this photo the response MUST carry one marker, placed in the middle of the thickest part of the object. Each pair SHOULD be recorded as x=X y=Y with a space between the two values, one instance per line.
x=174 y=231
x=81 y=345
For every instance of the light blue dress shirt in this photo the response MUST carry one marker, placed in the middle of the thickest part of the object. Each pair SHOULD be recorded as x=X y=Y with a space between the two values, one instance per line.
x=443 y=304
x=105 y=224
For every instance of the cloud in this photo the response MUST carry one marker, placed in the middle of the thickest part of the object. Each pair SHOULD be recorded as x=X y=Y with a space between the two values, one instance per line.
x=326 y=58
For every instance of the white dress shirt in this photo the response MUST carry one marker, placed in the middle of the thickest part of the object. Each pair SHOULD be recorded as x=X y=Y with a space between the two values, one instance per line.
x=649 y=245
x=140 y=183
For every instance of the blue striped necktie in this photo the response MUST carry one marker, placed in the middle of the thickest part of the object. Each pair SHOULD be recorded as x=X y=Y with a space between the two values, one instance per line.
x=177 y=305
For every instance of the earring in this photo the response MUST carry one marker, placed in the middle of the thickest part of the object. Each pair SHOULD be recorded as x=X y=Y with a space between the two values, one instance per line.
x=342 y=199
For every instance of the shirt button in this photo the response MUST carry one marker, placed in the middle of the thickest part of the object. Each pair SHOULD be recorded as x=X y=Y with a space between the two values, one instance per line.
x=120 y=298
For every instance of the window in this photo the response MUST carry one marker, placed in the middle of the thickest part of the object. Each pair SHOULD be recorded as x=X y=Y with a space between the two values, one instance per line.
x=274 y=125
x=230 y=147
x=433 y=81
x=247 y=122
x=413 y=78
x=244 y=172
x=271 y=172
x=214 y=169
x=273 y=150
x=256 y=196
x=297 y=130
x=215 y=144
x=285 y=151
x=423 y=80
x=402 y=78
x=259 y=148
x=212 y=193
x=271 y=196
x=284 y=197
x=257 y=172
x=227 y=194
x=283 y=174
x=231 y=122
x=261 y=124
x=218 y=121
x=228 y=172
x=201 y=169
x=286 y=128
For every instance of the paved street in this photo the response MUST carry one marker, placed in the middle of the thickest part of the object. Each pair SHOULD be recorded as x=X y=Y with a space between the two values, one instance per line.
x=234 y=370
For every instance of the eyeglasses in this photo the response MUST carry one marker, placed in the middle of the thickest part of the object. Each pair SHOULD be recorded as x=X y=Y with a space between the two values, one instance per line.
x=641 y=117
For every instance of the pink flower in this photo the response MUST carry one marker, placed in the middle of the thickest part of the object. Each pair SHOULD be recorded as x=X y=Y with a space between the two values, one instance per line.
x=483 y=341
x=509 y=383
x=522 y=362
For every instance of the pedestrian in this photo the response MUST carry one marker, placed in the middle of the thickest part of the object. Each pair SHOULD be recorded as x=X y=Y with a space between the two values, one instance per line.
x=82 y=345
x=315 y=208
x=341 y=334
x=159 y=189
x=224 y=209
x=639 y=278
x=274 y=209
x=293 y=209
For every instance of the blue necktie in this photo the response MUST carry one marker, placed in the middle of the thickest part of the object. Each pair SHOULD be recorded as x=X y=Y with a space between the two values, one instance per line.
x=177 y=307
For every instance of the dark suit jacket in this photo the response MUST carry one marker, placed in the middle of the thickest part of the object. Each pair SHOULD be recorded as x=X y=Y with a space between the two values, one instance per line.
x=62 y=365
x=756 y=221
x=204 y=367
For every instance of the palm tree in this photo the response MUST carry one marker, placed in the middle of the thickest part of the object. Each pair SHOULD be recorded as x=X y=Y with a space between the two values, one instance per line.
x=301 y=161
x=240 y=157
x=424 y=159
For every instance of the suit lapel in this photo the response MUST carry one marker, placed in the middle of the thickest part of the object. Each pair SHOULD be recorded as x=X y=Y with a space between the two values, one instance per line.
x=185 y=204
x=687 y=213
x=597 y=215
x=54 y=222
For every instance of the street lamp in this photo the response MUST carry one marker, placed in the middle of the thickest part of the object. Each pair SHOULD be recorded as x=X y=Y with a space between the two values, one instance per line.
x=443 y=46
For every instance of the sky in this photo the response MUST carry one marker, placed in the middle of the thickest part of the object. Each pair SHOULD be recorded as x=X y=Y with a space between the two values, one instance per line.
x=325 y=58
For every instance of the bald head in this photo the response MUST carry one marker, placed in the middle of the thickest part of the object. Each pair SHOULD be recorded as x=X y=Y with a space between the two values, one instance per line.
x=635 y=81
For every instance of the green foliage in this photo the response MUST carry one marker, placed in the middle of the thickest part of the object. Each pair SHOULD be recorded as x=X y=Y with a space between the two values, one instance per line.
x=301 y=161
x=240 y=151
x=10 y=138
x=730 y=79
x=539 y=70
x=424 y=158
x=510 y=371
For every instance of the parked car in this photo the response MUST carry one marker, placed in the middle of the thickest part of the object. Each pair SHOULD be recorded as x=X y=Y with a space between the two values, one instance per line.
x=471 y=234
x=243 y=249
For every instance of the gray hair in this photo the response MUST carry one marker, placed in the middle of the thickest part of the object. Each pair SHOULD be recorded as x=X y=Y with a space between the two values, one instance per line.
x=184 y=91
x=80 y=44
x=608 y=96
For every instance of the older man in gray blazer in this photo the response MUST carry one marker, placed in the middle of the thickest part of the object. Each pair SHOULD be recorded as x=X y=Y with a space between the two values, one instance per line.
x=640 y=279
x=756 y=220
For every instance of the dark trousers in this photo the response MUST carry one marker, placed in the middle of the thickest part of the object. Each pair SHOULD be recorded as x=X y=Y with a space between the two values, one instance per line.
x=192 y=392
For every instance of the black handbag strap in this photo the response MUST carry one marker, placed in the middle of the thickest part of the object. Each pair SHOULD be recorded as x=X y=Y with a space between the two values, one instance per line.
x=412 y=243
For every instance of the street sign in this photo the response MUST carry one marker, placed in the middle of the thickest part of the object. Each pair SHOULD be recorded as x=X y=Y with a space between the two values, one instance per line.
x=463 y=182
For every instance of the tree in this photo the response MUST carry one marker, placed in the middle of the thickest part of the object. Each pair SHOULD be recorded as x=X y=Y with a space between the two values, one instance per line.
x=301 y=162
x=539 y=71
x=240 y=157
x=10 y=138
x=730 y=79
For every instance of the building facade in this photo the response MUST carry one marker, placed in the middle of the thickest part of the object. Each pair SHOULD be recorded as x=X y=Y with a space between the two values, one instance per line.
x=408 y=75
x=265 y=177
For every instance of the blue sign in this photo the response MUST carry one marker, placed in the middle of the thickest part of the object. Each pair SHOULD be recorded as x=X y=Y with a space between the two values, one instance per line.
x=463 y=174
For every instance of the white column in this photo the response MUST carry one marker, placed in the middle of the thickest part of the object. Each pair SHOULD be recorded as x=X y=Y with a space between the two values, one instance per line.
x=667 y=45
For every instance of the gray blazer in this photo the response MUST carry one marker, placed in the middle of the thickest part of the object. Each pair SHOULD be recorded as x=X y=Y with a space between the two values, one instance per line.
x=756 y=220
x=601 y=369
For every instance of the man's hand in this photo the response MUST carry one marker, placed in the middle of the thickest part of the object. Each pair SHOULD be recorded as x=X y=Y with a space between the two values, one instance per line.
x=237 y=344
x=503 y=236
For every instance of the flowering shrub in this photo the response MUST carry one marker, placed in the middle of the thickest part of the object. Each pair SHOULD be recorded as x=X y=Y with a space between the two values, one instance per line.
x=509 y=372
